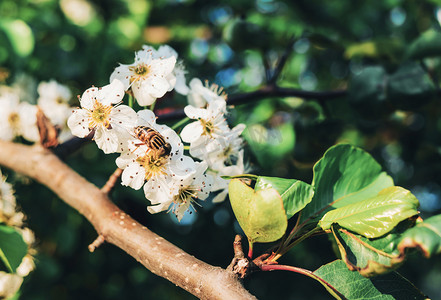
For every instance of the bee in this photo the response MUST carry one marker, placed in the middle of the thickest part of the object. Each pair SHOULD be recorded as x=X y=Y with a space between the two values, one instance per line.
x=153 y=139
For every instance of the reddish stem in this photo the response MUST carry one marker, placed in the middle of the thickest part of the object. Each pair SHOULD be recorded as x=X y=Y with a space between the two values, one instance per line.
x=332 y=290
x=250 y=250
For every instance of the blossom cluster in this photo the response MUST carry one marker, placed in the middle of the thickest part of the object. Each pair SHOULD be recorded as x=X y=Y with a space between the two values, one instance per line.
x=10 y=216
x=153 y=156
x=18 y=116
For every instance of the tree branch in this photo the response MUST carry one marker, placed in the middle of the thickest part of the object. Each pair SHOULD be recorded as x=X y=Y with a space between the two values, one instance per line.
x=265 y=92
x=154 y=252
x=282 y=61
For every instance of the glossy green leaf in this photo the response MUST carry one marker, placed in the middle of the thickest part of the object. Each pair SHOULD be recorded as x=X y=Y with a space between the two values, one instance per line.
x=426 y=236
x=410 y=87
x=370 y=257
x=339 y=175
x=295 y=194
x=12 y=247
x=260 y=214
x=20 y=36
x=428 y=44
x=353 y=286
x=376 y=216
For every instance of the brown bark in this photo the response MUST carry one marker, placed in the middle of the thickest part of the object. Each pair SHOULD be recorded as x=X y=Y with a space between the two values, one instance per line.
x=154 y=252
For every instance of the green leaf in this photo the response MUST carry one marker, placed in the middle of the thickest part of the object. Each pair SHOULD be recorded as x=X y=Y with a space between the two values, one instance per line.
x=260 y=214
x=370 y=257
x=375 y=216
x=410 y=87
x=367 y=92
x=339 y=175
x=425 y=236
x=428 y=44
x=12 y=247
x=20 y=36
x=354 y=286
x=295 y=194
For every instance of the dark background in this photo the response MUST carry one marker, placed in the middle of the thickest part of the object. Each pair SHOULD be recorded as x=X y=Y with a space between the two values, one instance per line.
x=80 y=42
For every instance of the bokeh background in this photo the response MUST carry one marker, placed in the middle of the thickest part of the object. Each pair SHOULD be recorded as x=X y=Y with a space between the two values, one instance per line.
x=231 y=43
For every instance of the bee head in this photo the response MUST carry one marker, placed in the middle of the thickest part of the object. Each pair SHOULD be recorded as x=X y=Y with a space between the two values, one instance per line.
x=167 y=148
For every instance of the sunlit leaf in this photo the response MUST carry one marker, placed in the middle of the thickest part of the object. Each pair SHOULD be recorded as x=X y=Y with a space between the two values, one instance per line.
x=371 y=257
x=356 y=287
x=375 y=216
x=342 y=172
x=260 y=214
x=295 y=194
x=20 y=36
x=12 y=247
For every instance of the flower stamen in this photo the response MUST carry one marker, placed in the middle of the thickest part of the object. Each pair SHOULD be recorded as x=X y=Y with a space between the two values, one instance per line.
x=154 y=165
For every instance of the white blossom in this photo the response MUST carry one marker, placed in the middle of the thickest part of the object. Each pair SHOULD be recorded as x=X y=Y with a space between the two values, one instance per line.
x=100 y=112
x=141 y=163
x=26 y=266
x=17 y=119
x=54 y=102
x=9 y=284
x=210 y=122
x=221 y=184
x=7 y=199
x=149 y=77
x=228 y=151
x=200 y=95
x=181 y=194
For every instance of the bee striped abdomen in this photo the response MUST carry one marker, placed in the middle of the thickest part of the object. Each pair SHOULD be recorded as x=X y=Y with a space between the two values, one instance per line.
x=157 y=142
x=153 y=139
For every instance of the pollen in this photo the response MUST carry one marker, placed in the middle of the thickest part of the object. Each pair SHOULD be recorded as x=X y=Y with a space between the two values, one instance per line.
x=153 y=164
x=207 y=126
x=218 y=90
x=100 y=115
x=14 y=120
x=140 y=71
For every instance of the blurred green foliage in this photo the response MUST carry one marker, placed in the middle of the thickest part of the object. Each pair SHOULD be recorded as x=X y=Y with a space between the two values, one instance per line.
x=338 y=45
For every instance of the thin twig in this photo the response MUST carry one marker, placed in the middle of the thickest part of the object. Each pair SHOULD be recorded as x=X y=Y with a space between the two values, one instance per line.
x=96 y=243
x=265 y=92
x=282 y=61
x=107 y=188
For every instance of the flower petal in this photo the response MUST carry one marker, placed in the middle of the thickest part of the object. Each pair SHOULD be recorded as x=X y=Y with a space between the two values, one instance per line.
x=163 y=66
x=192 y=132
x=123 y=74
x=89 y=97
x=123 y=116
x=142 y=94
x=148 y=116
x=195 y=113
x=133 y=176
x=78 y=122
x=106 y=140
x=112 y=93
